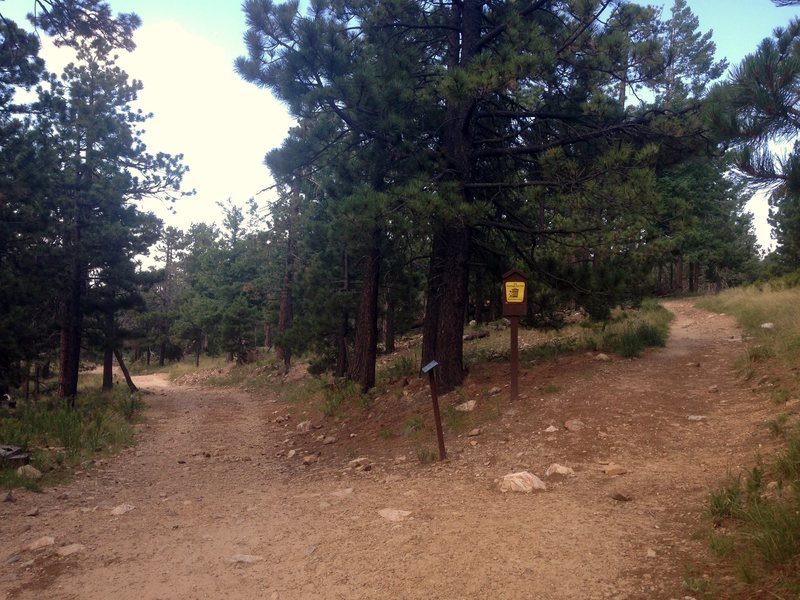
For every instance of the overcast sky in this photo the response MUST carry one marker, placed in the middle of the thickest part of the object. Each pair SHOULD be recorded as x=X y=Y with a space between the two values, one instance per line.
x=224 y=126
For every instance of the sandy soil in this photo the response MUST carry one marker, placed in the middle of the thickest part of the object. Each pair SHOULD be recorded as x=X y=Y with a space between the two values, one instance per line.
x=211 y=479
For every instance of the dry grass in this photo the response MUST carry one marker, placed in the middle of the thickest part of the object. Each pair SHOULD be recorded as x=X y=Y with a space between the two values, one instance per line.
x=763 y=526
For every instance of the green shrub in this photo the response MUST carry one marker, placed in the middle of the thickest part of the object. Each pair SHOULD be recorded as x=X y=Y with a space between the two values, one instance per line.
x=726 y=501
x=338 y=395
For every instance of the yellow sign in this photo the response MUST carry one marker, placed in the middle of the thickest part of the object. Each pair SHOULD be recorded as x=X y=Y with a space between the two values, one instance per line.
x=515 y=292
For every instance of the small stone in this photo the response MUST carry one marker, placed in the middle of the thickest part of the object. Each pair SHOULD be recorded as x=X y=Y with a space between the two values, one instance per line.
x=63 y=496
x=304 y=427
x=521 y=482
x=494 y=391
x=29 y=471
x=120 y=510
x=291 y=453
x=574 y=425
x=246 y=559
x=772 y=485
x=42 y=542
x=551 y=429
x=473 y=443
x=34 y=512
x=557 y=469
x=328 y=440
x=468 y=406
x=9 y=496
x=309 y=459
x=697 y=417
x=70 y=549
x=713 y=389
x=768 y=326
x=474 y=432
x=358 y=463
x=394 y=515
x=621 y=497
x=651 y=553
x=614 y=469
x=602 y=357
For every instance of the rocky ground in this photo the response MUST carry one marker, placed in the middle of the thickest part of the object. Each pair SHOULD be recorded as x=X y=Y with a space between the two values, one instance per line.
x=231 y=496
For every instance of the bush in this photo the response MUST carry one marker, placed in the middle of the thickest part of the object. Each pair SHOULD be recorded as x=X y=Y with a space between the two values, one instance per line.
x=56 y=435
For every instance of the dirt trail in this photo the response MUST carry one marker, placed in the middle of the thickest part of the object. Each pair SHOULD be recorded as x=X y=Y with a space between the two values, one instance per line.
x=206 y=484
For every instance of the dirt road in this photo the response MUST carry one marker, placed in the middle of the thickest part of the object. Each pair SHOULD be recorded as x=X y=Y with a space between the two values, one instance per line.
x=210 y=487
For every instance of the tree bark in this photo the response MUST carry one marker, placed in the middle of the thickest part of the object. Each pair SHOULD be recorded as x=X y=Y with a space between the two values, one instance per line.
x=365 y=349
x=285 y=307
x=388 y=323
x=344 y=323
x=443 y=330
x=131 y=386
x=108 y=365
x=448 y=276
x=108 y=354
x=71 y=332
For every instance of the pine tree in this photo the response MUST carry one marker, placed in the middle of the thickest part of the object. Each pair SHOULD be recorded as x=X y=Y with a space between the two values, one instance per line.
x=757 y=107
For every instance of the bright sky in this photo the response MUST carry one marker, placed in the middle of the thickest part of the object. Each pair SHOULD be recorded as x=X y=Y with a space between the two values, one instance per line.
x=224 y=126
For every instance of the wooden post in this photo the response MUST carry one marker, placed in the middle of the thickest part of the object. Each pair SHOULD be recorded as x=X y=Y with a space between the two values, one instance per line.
x=514 y=358
x=437 y=417
x=515 y=305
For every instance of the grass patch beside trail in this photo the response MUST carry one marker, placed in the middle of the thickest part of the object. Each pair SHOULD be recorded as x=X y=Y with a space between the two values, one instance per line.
x=57 y=436
x=630 y=332
x=756 y=517
x=754 y=307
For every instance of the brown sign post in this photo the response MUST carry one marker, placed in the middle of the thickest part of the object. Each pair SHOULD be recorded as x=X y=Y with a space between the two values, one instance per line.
x=515 y=305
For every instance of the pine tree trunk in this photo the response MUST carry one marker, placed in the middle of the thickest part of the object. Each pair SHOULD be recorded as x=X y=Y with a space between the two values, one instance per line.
x=162 y=352
x=285 y=313
x=443 y=329
x=365 y=349
x=344 y=323
x=388 y=324
x=108 y=354
x=268 y=336
x=197 y=351
x=131 y=386
x=679 y=273
x=71 y=327
x=108 y=366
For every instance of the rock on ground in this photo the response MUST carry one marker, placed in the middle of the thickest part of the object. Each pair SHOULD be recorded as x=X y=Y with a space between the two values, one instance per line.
x=394 y=515
x=29 y=471
x=468 y=406
x=557 y=469
x=122 y=509
x=521 y=482
x=70 y=549
x=574 y=425
x=42 y=542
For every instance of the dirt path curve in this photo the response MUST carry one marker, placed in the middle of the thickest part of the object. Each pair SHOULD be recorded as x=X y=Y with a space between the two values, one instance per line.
x=206 y=484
